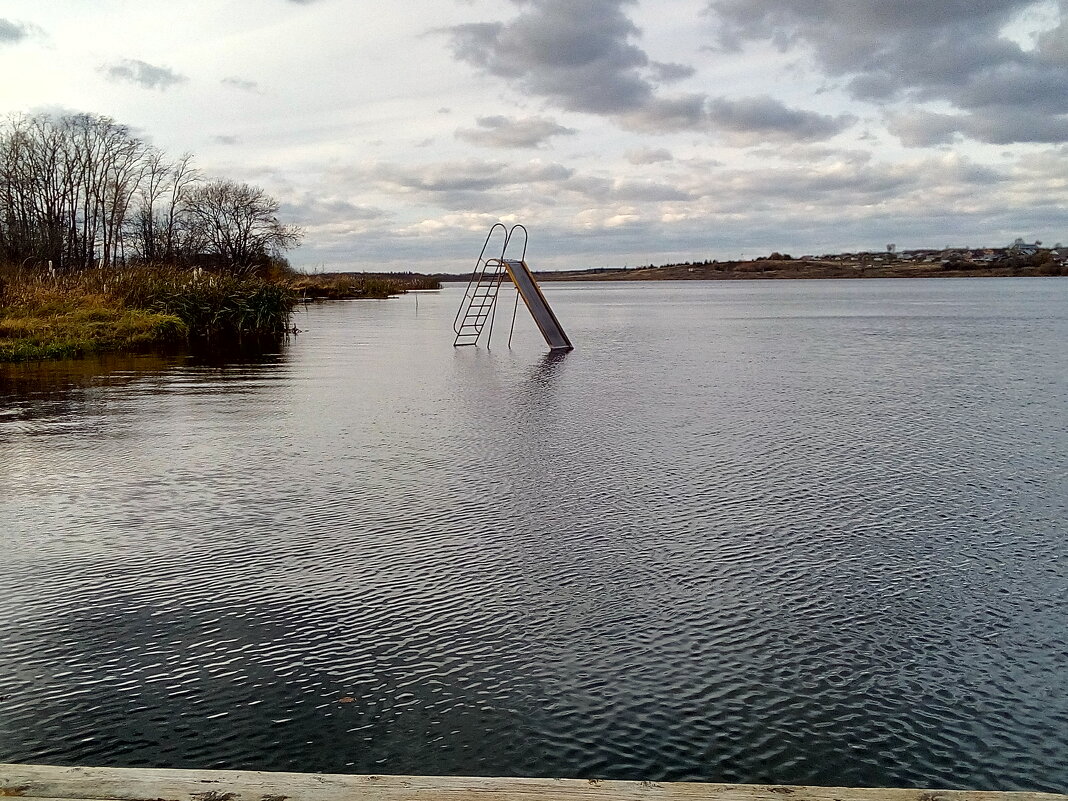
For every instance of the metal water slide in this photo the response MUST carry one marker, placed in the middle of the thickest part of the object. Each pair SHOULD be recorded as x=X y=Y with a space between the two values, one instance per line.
x=478 y=307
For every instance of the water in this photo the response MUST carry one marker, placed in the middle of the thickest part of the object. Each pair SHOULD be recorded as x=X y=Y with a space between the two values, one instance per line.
x=796 y=532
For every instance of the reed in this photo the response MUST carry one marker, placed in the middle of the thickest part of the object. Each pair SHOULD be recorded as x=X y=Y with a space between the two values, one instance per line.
x=341 y=286
x=211 y=305
x=47 y=316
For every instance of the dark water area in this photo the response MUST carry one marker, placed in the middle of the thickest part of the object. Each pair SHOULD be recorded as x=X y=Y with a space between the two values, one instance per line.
x=791 y=532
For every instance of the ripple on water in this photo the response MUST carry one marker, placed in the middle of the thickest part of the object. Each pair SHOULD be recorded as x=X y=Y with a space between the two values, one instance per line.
x=803 y=534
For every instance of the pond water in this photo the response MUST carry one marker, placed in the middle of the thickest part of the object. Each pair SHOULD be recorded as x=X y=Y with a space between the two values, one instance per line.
x=793 y=532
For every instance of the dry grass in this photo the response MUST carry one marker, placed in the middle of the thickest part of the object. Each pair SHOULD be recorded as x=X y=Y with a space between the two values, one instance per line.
x=342 y=286
x=44 y=316
x=61 y=324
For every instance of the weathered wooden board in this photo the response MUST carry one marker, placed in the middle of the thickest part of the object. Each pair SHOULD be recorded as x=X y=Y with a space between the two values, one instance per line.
x=50 y=783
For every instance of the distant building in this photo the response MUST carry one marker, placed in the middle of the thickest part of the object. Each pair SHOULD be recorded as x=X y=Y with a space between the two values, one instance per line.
x=1021 y=248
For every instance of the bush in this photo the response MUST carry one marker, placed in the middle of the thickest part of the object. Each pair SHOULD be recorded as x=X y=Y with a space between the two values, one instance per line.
x=211 y=305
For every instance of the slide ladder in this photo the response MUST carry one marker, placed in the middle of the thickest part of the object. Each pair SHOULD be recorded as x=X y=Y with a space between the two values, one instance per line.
x=479 y=304
x=480 y=299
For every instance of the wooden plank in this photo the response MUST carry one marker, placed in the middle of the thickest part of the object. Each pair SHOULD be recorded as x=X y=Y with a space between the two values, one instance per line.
x=50 y=783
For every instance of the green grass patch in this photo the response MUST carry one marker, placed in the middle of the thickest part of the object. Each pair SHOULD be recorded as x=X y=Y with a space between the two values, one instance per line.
x=27 y=335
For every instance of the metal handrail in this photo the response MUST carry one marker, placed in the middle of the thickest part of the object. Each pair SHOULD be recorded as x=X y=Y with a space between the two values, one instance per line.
x=479 y=272
x=508 y=241
x=522 y=258
x=483 y=277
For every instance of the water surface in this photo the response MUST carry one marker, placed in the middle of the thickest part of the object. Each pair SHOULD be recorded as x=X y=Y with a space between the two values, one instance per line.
x=796 y=532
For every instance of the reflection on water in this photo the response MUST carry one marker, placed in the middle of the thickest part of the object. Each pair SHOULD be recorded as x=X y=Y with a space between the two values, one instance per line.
x=548 y=365
x=22 y=382
x=807 y=532
x=28 y=389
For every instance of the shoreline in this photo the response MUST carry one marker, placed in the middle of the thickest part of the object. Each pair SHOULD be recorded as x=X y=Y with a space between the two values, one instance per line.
x=45 y=316
x=767 y=270
x=783 y=270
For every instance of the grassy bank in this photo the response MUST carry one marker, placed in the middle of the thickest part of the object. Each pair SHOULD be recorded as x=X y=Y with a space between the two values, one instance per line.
x=46 y=316
x=134 y=309
x=28 y=335
x=351 y=286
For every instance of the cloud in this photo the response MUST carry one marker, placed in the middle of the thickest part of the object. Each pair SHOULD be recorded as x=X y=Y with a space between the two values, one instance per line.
x=226 y=139
x=1006 y=128
x=646 y=155
x=13 y=32
x=505 y=132
x=660 y=115
x=475 y=185
x=958 y=52
x=318 y=212
x=1053 y=43
x=761 y=119
x=615 y=191
x=578 y=54
x=241 y=83
x=143 y=74
x=466 y=176
x=822 y=199
x=482 y=185
x=901 y=190
x=807 y=153
x=919 y=128
x=581 y=56
x=669 y=73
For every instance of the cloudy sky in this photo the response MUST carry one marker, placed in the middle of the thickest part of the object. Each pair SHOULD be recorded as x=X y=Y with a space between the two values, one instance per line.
x=619 y=131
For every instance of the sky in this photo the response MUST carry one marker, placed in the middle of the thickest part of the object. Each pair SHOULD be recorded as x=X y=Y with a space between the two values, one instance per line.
x=619 y=132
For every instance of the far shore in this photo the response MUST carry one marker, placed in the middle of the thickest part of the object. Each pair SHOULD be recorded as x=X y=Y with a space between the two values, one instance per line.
x=768 y=269
x=1019 y=259
x=775 y=269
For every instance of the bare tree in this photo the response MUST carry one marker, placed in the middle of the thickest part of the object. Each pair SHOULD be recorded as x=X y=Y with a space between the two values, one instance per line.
x=16 y=210
x=81 y=190
x=184 y=176
x=239 y=223
x=66 y=187
x=144 y=225
x=155 y=227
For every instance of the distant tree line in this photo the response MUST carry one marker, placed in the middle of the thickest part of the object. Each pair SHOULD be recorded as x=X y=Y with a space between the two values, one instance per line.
x=82 y=191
